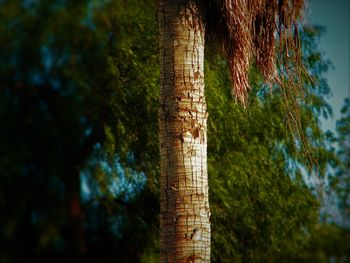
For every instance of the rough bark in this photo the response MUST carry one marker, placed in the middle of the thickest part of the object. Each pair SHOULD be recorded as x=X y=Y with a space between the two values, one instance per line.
x=184 y=216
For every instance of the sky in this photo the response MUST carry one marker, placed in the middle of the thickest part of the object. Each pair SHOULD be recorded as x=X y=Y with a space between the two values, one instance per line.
x=335 y=16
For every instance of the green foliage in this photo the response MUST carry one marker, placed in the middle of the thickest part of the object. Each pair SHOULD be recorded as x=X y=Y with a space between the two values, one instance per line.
x=44 y=112
x=259 y=213
x=327 y=243
x=79 y=102
x=74 y=88
x=340 y=182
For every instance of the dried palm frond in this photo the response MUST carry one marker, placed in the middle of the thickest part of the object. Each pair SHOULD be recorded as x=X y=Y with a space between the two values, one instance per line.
x=263 y=33
x=250 y=31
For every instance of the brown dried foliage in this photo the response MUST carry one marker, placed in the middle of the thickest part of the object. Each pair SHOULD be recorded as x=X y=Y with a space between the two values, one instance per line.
x=264 y=33
x=250 y=31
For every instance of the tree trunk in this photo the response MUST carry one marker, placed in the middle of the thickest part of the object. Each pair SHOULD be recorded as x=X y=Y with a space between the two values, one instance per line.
x=184 y=216
x=75 y=214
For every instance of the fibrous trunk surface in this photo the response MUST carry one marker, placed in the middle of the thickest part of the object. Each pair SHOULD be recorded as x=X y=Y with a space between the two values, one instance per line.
x=184 y=216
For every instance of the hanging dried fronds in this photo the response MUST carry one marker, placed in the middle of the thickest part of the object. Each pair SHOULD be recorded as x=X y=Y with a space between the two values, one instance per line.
x=250 y=31
x=264 y=33
x=238 y=52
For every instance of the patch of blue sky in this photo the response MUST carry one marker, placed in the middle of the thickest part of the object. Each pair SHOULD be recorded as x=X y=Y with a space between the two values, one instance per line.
x=127 y=186
x=116 y=222
x=92 y=7
x=335 y=45
x=46 y=58
x=30 y=5
x=121 y=182
x=55 y=83
x=61 y=60
x=48 y=61
x=36 y=78
x=87 y=132
x=84 y=187
x=58 y=4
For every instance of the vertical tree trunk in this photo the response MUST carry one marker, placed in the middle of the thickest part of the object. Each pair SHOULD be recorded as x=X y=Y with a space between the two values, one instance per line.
x=184 y=216
x=75 y=213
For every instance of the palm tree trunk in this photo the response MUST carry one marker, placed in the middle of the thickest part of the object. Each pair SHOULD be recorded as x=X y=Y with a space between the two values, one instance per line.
x=184 y=216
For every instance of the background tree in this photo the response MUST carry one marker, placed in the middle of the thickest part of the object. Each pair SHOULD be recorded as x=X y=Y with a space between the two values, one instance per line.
x=99 y=60
x=57 y=110
x=262 y=208
x=342 y=178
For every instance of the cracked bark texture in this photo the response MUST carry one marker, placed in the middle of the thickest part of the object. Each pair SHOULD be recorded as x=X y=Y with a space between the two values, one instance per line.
x=184 y=215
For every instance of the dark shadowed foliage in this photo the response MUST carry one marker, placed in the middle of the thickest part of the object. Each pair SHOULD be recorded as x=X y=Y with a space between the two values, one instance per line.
x=79 y=160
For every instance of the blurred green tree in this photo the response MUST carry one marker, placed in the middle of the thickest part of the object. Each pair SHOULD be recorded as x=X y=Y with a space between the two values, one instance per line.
x=342 y=178
x=71 y=77
x=79 y=161
x=263 y=209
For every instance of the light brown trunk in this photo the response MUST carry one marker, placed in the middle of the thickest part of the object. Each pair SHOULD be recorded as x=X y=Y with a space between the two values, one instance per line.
x=184 y=215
